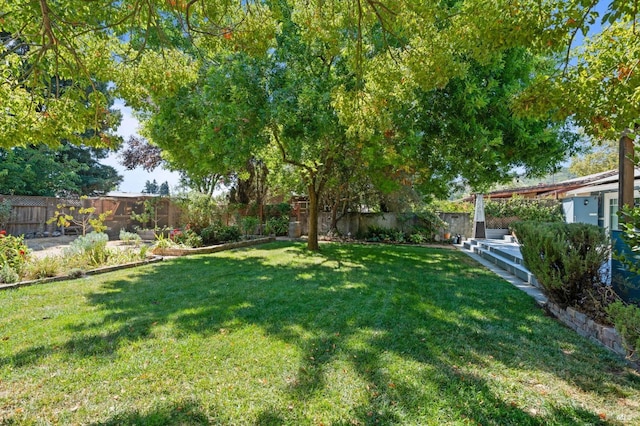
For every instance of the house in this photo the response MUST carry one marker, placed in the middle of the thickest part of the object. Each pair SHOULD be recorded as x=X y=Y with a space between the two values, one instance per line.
x=605 y=190
x=588 y=199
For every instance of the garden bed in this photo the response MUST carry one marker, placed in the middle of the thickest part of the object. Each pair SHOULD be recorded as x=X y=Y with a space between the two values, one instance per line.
x=100 y=270
x=184 y=251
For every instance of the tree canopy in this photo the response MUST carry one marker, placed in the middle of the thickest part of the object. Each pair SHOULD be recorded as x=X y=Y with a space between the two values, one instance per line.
x=417 y=92
x=64 y=171
x=54 y=52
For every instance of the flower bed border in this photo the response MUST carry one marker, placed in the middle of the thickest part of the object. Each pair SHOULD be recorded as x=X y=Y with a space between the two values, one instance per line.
x=101 y=270
x=211 y=249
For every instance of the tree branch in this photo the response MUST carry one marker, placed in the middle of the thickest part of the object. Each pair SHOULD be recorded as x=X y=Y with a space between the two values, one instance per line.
x=574 y=33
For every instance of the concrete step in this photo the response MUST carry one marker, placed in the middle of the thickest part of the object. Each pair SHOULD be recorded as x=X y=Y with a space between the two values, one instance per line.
x=507 y=257
x=514 y=268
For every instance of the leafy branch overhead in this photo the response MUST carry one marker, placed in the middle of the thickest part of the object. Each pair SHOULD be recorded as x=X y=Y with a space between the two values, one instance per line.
x=54 y=53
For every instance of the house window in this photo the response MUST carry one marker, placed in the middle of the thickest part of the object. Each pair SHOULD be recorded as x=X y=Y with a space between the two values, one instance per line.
x=613 y=214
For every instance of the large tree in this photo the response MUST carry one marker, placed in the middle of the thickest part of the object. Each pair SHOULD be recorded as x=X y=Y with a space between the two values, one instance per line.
x=301 y=99
x=68 y=170
x=377 y=55
x=599 y=158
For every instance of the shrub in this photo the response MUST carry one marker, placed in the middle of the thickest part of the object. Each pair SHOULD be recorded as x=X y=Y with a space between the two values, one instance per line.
x=427 y=222
x=567 y=261
x=229 y=234
x=249 y=224
x=218 y=233
x=188 y=238
x=525 y=210
x=130 y=237
x=377 y=233
x=163 y=242
x=43 y=267
x=398 y=236
x=417 y=238
x=630 y=225
x=14 y=253
x=198 y=211
x=277 y=225
x=626 y=319
x=8 y=275
x=90 y=248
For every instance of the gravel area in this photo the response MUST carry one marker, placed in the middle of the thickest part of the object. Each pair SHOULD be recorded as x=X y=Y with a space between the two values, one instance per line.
x=41 y=247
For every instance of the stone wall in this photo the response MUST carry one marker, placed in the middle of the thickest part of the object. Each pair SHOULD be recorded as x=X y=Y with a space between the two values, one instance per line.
x=585 y=326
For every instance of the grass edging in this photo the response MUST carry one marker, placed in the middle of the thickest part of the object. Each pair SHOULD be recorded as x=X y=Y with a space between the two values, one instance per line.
x=170 y=251
x=101 y=270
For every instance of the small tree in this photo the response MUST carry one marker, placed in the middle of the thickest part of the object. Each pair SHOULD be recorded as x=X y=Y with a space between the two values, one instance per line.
x=85 y=217
x=149 y=213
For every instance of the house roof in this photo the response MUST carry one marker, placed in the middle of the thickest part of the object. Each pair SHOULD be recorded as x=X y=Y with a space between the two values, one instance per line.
x=558 y=189
x=602 y=187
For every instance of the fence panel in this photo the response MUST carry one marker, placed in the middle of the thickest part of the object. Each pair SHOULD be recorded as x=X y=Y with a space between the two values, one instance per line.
x=29 y=214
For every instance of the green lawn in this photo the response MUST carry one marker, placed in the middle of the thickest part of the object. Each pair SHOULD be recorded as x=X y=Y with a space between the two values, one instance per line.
x=274 y=335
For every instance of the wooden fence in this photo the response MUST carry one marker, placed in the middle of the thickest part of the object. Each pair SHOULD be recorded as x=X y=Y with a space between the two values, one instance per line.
x=29 y=215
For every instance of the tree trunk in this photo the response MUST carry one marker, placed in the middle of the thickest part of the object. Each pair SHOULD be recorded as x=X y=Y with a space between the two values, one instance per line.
x=625 y=174
x=334 y=218
x=312 y=242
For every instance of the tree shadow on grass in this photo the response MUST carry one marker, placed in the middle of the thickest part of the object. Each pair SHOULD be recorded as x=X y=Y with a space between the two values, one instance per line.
x=429 y=307
x=182 y=413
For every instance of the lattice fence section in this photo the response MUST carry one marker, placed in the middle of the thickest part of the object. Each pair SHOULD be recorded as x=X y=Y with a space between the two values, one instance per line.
x=500 y=222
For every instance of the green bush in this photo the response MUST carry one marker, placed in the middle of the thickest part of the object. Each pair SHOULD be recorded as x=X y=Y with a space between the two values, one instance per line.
x=630 y=226
x=14 y=253
x=90 y=249
x=626 y=319
x=567 y=261
x=249 y=224
x=8 y=275
x=229 y=234
x=129 y=237
x=526 y=210
x=427 y=222
x=199 y=211
x=188 y=238
x=218 y=233
x=376 y=233
x=417 y=238
x=277 y=225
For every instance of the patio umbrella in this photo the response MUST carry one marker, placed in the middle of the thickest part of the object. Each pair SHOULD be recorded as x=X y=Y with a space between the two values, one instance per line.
x=478 y=218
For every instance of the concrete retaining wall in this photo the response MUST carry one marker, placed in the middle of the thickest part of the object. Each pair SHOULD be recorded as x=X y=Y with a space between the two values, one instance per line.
x=352 y=223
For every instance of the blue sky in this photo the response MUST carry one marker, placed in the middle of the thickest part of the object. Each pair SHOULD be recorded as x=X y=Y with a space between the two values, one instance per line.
x=134 y=180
